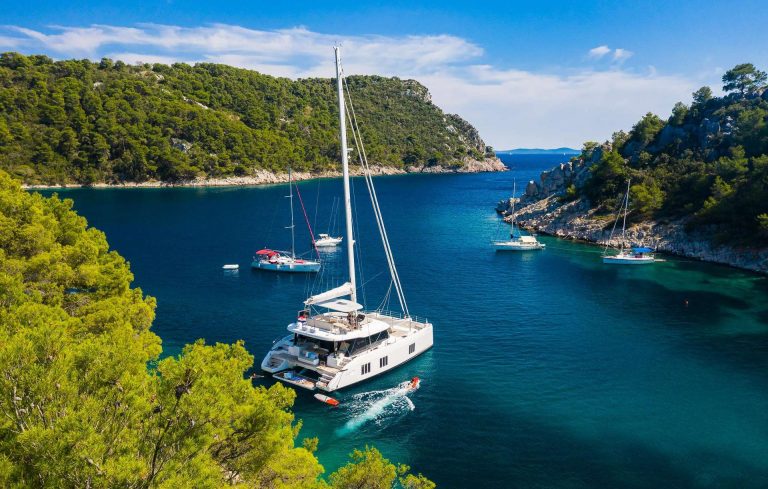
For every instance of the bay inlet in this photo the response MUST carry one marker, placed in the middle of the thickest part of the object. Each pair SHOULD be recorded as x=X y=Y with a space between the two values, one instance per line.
x=549 y=369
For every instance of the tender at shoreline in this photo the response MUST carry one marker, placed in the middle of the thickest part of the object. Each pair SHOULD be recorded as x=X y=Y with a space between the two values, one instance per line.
x=266 y=177
x=543 y=210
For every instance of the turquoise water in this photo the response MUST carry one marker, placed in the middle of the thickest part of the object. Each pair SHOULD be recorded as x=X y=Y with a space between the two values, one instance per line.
x=549 y=368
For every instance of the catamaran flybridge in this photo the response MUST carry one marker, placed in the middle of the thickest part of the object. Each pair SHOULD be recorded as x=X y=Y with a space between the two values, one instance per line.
x=334 y=343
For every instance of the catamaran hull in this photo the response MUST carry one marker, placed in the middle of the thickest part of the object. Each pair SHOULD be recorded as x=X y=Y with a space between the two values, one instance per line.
x=613 y=260
x=308 y=267
x=397 y=353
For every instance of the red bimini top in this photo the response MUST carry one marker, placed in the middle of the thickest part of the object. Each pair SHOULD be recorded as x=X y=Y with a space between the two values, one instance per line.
x=268 y=253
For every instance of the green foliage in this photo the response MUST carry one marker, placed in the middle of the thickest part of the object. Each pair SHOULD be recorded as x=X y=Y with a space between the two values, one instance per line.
x=571 y=193
x=762 y=223
x=608 y=178
x=679 y=111
x=646 y=198
x=84 y=122
x=370 y=470
x=709 y=162
x=87 y=401
x=744 y=78
x=702 y=96
x=646 y=129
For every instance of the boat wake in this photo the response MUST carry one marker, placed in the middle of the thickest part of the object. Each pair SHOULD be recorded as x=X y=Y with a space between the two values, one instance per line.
x=380 y=407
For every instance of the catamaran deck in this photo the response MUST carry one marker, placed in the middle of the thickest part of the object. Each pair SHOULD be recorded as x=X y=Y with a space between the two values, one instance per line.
x=337 y=323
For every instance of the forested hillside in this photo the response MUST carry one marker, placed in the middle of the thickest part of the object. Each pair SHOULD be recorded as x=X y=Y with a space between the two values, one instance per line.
x=707 y=162
x=77 y=121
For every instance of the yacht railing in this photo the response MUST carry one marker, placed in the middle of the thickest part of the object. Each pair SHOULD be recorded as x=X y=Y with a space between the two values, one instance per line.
x=399 y=315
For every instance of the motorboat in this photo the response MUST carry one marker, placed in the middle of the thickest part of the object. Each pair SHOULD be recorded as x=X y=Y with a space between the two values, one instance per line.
x=325 y=241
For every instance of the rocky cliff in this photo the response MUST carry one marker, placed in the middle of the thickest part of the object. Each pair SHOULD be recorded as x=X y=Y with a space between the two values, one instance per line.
x=546 y=208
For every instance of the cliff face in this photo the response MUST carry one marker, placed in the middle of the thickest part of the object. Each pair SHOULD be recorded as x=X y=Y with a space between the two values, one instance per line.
x=545 y=209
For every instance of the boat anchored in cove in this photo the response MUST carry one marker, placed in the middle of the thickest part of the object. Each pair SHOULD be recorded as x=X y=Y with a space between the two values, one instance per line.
x=284 y=261
x=627 y=256
x=517 y=241
x=335 y=343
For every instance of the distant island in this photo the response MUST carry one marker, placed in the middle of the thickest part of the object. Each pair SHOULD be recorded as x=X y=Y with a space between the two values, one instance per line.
x=110 y=123
x=699 y=180
x=539 y=151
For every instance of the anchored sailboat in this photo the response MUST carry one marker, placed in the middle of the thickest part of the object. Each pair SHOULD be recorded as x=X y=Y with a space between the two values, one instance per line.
x=627 y=256
x=517 y=241
x=334 y=343
x=283 y=261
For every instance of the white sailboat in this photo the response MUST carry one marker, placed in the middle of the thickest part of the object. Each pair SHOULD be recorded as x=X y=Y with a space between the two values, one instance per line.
x=517 y=241
x=627 y=256
x=334 y=343
x=284 y=261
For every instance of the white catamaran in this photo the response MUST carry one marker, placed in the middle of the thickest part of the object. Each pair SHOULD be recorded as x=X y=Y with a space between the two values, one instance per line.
x=517 y=241
x=627 y=256
x=334 y=343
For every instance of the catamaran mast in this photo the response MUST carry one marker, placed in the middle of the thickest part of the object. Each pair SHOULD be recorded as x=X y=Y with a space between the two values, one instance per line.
x=345 y=174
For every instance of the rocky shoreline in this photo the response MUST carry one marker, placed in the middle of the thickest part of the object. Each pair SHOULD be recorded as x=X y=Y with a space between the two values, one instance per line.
x=266 y=177
x=543 y=209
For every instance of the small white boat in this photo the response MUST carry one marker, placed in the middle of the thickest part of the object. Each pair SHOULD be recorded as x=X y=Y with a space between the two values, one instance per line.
x=325 y=241
x=632 y=256
x=327 y=399
x=517 y=241
x=231 y=267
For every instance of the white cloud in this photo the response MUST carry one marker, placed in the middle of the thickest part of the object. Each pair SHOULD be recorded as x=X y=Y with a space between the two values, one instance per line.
x=622 y=54
x=509 y=107
x=599 y=51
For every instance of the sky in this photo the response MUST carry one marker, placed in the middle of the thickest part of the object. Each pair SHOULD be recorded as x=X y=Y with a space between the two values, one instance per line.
x=526 y=74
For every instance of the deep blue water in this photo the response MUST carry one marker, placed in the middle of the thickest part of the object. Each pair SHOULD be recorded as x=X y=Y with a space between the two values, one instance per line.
x=549 y=369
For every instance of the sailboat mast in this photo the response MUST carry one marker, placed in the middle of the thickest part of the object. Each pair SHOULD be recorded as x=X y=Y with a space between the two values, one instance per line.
x=514 y=190
x=290 y=196
x=624 y=224
x=345 y=174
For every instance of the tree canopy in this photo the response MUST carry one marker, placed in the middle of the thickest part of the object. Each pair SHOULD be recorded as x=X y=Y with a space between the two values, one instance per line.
x=744 y=78
x=707 y=162
x=87 y=400
x=76 y=121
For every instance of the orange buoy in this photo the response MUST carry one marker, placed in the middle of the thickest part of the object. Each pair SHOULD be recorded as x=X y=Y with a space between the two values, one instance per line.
x=327 y=399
